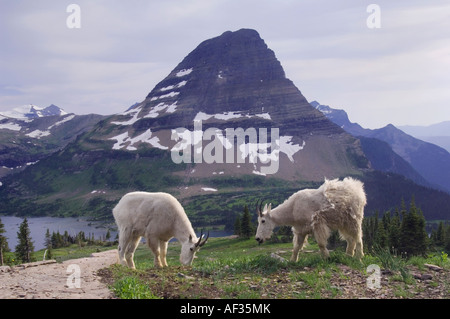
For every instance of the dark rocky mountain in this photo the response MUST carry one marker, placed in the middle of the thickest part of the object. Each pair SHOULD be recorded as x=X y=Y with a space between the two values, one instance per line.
x=236 y=72
x=430 y=161
x=235 y=81
x=199 y=134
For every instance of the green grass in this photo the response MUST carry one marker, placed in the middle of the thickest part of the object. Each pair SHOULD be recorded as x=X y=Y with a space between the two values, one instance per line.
x=239 y=268
x=132 y=288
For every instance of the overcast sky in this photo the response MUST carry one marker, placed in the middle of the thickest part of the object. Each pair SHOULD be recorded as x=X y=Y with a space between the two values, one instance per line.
x=398 y=73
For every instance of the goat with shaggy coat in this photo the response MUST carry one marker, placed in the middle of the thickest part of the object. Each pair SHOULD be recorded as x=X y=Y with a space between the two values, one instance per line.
x=336 y=205
x=158 y=217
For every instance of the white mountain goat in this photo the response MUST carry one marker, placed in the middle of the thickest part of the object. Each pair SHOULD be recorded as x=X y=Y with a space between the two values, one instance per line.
x=334 y=205
x=158 y=217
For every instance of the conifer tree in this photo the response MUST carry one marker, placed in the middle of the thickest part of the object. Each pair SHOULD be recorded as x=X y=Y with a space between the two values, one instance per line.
x=48 y=244
x=440 y=235
x=394 y=232
x=447 y=239
x=25 y=247
x=237 y=225
x=413 y=237
x=368 y=228
x=381 y=238
x=246 y=224
x=3 y=242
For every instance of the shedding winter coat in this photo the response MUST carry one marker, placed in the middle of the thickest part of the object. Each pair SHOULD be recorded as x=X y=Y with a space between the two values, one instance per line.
x=336 y=205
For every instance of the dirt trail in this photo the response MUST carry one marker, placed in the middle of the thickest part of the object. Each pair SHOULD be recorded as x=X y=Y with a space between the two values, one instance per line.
x=71 y=279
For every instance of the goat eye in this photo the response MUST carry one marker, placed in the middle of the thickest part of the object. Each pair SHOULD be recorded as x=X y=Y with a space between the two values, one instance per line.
x=192 y=249
x=263 y=221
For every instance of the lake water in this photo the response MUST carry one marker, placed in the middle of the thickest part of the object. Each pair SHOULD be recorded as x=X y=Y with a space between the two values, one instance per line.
x=39 y=225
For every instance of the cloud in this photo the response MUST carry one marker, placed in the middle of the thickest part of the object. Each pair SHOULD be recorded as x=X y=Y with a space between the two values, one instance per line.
x=124 y=49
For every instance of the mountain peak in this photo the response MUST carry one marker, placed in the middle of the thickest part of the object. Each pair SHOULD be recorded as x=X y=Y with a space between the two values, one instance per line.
x=238 y=53
x=234 y=72
x=240 y=34
x=31 y=111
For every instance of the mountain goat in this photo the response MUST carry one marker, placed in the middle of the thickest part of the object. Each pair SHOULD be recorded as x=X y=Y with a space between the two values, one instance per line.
x=334 y=205
x=158 y=217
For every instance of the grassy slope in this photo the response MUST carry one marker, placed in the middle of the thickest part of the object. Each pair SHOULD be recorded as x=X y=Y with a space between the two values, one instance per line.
x=238 y=268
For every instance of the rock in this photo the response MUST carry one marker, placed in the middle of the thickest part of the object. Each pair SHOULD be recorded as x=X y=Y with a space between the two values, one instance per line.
x=422 y=276
x=37 y=263
x=433 y=267
x=417 y=276
x=181 y=275
x=5 y=269
x=275 y=256
x=426 y=277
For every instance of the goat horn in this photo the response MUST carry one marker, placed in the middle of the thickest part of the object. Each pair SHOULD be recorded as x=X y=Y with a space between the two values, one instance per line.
x=258 y=209
x=199 y=239
x=204 y=242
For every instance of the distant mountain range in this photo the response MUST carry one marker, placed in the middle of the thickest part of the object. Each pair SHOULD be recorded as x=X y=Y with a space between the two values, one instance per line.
x=423 y=162
x=29 y=112
x=224 y=128
x=438 y=133
x=30 y=133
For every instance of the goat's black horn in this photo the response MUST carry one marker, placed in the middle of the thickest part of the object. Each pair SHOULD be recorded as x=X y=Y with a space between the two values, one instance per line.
x=260 y=208
x=199 y=239
x=206 y=239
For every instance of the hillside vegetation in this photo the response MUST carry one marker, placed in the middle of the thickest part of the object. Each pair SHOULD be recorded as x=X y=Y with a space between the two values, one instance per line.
x=239 y=268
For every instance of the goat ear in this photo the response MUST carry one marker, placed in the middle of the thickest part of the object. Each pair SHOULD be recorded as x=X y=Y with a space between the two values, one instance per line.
x=265 y=208
x=269 y=208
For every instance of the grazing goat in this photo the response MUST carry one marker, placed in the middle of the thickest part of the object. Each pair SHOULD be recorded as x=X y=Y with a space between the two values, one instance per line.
x=334 y=205
x=158 y=217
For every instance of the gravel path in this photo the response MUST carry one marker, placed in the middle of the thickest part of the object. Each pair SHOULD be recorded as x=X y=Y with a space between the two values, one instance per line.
x=71 y=279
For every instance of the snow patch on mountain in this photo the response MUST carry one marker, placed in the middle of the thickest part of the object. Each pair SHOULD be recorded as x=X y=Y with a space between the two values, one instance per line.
x=164 y=96
x=66 y=119
x=260 y=151
x=289 y=148
x=183 y=72
x=209 y=189
x=10 y=126
x=201 y=116
x=127 y=142
x=18 y=118
x=38 y=134
x=176 y=86
x=28 y=112
x=155 y=111
x=134 y=119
